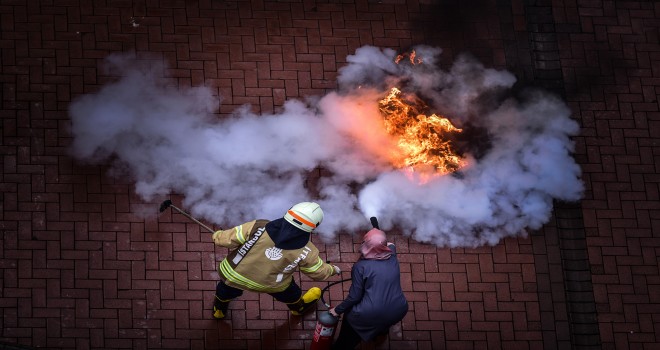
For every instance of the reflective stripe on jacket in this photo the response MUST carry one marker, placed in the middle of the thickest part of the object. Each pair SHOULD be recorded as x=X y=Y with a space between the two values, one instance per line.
x=254 y=263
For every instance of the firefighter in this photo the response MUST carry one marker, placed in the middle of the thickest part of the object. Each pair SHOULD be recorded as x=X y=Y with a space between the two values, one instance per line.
x=263 y=256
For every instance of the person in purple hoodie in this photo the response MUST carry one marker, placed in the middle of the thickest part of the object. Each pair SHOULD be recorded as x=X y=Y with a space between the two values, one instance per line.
x=375 y=300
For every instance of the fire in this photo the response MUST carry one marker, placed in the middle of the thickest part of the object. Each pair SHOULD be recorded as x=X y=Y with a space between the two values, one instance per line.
x=412 y=56
x=421 y=139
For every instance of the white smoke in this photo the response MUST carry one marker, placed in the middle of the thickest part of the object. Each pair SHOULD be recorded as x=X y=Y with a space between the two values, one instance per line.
x=231 y=170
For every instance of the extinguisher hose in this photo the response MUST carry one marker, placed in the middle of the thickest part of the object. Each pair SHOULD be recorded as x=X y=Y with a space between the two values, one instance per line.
x=328 y=287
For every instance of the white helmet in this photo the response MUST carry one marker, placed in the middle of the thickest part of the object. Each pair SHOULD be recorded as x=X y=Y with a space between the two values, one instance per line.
x=305 y=216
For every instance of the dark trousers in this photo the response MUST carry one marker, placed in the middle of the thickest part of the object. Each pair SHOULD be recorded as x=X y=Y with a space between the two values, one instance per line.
x=290 y=295
x=348 y=337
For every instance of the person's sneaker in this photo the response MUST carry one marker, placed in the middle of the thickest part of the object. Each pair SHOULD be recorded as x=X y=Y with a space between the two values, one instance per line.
x=218 y=314
x=309 y=300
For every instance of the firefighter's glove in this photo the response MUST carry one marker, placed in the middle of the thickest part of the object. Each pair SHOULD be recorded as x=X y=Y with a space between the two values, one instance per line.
x=219 y=238
x=337 y=269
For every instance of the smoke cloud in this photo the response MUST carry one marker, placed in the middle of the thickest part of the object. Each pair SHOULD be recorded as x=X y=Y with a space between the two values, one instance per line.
x=247 y=166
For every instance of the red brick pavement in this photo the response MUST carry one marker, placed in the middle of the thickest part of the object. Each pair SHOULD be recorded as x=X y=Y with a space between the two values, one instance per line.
x=80 y=269
x=610 y=60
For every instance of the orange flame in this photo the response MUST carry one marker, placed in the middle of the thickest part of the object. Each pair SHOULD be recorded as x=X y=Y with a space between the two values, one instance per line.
x=419 y=138
x=412 y=56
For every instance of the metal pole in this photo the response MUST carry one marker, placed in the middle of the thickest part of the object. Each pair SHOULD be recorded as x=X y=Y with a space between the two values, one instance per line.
x=168 y=204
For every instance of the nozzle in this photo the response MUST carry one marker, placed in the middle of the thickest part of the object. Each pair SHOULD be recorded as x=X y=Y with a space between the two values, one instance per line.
x=374 y=222
x=166 y=204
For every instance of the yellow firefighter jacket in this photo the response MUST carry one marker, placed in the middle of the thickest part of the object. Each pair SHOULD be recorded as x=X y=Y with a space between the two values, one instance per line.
x=254 y=263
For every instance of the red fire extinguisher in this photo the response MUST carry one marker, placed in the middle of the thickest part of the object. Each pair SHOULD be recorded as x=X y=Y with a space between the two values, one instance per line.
x=326 y=325
x=325 y=331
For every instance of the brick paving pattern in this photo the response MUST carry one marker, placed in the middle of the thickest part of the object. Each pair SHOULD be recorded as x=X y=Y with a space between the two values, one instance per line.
x=81 y=269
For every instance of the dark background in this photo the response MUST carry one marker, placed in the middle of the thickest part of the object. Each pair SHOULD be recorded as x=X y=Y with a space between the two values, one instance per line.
x=80 y=269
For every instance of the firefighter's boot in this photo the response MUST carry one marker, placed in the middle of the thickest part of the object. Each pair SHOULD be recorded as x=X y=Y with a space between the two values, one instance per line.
x=220 y=308
x=306 y=302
